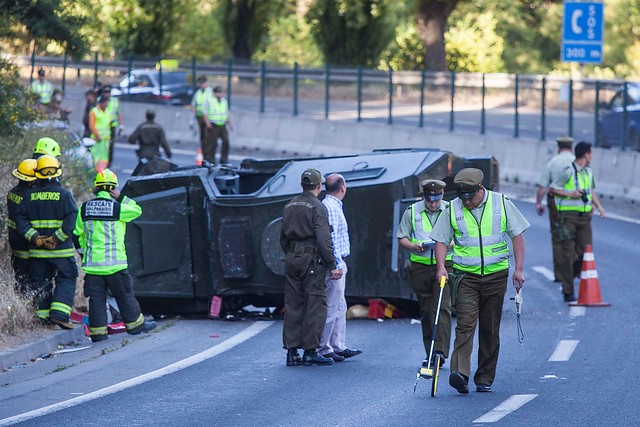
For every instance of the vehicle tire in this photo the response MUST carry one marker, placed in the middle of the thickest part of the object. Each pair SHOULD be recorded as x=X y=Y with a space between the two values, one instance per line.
x=635 y=140
x=602 y=141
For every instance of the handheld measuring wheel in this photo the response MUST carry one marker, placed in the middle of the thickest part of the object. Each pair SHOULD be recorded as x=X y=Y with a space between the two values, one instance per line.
x=432 y=370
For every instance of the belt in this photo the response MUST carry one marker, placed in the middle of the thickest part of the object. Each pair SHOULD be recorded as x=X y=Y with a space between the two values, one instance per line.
x=305 y=249
x=574 y=213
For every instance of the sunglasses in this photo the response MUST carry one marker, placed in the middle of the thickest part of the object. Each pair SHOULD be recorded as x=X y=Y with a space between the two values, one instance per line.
x=434 y=197
x=468 y=194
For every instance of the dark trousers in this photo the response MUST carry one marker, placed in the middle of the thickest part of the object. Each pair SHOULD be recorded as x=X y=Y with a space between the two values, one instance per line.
x=423 y=282
x=121 y=286
x=305 y=301
x=114 y=129
x=202 y=127
x=210 y=144
x=43 y=273
x=21 y=273
x=479 y=302
x=556 y=244
x=575 y=235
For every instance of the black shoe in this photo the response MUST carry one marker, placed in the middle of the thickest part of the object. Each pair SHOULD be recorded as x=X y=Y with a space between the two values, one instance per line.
x=347 y=353
x=442 y=358
x=556 y=280
x=147 y=326
x=459 y=382
x=483 y=388
x=313 y=358
x=335 y=357
x=63 y=324
x=569 y=298
x=293 y=357
x=98 y=338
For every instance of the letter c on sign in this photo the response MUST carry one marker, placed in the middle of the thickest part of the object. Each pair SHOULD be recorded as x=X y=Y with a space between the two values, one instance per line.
x=574 y=21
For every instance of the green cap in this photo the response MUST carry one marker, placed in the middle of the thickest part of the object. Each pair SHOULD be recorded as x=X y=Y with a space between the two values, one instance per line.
x=312 y=177
x=564 y=141
x=467 y=182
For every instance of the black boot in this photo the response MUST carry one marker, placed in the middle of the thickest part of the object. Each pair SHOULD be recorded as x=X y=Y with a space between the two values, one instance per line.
x=311 y=357
x=293 y=357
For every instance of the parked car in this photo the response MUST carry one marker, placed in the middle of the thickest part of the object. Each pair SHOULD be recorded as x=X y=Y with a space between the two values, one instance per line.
x=144 y=86
x=611 y=121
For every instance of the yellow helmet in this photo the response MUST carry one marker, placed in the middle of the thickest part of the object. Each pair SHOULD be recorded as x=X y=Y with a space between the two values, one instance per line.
x=47 y=167
x=47 y=146
x=26 y=170
x=105 y=178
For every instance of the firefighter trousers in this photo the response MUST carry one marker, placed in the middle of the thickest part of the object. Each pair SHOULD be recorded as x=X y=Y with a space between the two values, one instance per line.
x=53 y=281
x=121 y=286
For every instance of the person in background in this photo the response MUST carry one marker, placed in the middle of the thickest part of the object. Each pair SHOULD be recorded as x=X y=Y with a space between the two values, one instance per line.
x=100 y=126
x=117 y=124
x=218 y=124
x=150 y=137
x=43 y=89
x=91 y=99
x=198 y=105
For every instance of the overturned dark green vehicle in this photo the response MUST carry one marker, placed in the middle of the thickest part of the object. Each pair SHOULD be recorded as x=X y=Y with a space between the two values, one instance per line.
x=209 y=231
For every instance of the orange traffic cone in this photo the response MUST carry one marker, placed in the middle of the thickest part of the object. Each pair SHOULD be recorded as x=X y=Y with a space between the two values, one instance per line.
x=589 y=293
x=199 y=157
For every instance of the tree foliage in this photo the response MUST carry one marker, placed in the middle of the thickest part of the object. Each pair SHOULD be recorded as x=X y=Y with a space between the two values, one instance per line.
x=351 y=32
x=16 y=107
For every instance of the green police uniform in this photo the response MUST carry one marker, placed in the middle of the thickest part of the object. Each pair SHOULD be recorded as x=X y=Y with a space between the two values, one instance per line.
x=480 y=253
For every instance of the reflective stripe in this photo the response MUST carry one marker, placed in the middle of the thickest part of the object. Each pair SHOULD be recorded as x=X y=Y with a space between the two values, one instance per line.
x=132 y=325
x=42 y=314
x=103 y=124
x=110 y=255
x=30 y=233
x=44 y=90
x=46 y=223
x=11 y=224
x=20 y=254
x=61 y=307
x=582 y=180
x=54 y=253
x=100 y=330
x=218 y=111
x=61 y=235
x=88 y=231
x=480 y=247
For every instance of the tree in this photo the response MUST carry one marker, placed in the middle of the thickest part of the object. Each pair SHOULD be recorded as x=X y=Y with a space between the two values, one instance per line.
x=44 y=20
x=431 y=20
x=351 y=32
x=246 y=24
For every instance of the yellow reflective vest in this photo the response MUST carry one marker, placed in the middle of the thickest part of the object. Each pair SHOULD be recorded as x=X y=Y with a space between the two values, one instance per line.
x=579 y=180
x=420 y=229
x=218 y=111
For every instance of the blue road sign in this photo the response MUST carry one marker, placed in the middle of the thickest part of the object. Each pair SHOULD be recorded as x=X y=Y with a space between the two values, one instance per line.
x=582 y=32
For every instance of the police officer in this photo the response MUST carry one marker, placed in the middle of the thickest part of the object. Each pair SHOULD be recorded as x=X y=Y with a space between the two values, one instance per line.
x=574 y=199
x=100 y=126
x=218 y=123
x=43 y=89
x=46 y=146
x=150 y=136
x=306 y=240
x=99 y=233
x=413 y=234
x=25 y=172
x=46 y=218
x=198 y=103
x=549 y=173
x=479 y=223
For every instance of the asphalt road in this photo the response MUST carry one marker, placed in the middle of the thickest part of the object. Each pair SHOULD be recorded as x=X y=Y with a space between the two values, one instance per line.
x=576 y=366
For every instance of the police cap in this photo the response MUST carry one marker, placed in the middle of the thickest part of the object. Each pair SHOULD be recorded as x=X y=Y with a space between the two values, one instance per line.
x=151 y=113
x=564 y=141
x=217 y=89
x=312 y=176
x=41 y=72
x=106 y=88
x=467 y=182
x=202 y=79
x=432 y=189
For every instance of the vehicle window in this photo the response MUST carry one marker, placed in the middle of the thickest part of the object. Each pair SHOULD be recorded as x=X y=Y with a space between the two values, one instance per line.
x=617 y=102
x=174 y=78
x=141 y=80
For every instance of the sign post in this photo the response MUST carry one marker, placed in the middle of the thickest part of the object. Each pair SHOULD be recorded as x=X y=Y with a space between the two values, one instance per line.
x=582 y=32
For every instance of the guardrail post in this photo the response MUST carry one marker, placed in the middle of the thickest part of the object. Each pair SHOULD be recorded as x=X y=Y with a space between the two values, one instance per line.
x=160 y=75
x=229 y=71
x=570 y=107
x=516 y=117
x=359 y=93
x=422 y=78
x=596 y=113
x=483 y=112
x=64 y=71
x=129 y=67
x=625 y=115
x=95 y=69
x=327 y=80
x=263 y=72
x=295 y=88
x=543 y=111
x=193 y=74
x=453 y=94
x=390 y=121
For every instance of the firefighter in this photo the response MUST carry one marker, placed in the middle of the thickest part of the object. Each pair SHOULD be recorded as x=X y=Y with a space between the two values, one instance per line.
x=100 y=126
x=99 y=234
x=46 y=218
x=25 y=172
x=47 y=146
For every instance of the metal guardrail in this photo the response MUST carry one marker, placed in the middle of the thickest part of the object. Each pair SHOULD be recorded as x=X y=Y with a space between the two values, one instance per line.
x=518 y=91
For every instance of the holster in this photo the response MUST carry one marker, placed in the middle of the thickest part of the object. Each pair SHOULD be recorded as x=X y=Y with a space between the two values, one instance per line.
x=563 y=232
x=454 y=281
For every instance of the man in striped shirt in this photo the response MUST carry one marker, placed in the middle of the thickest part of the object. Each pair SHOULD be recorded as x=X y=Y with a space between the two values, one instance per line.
x=332 y=342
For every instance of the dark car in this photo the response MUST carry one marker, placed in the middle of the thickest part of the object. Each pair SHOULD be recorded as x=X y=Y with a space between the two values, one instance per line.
x=144 y=86
x=612 y=126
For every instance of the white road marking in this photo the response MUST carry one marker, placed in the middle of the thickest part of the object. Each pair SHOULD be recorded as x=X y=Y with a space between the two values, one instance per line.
x=548 y=274
x=228 y=344
x=564 y=350
x=510 y=405
x=575 y=311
